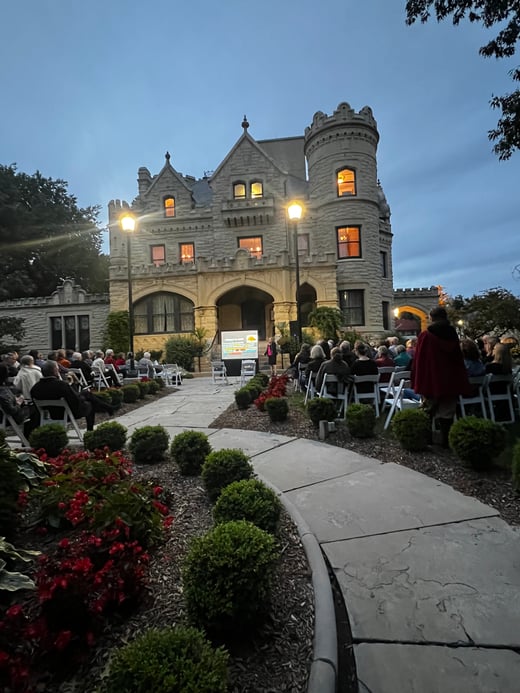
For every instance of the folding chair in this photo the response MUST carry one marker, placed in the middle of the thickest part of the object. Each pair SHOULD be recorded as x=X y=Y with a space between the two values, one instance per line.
x=493 y=397
x=310 y=391
x=339 y=392
x=81 y=381
x=477 y=398
x=99 y=379
x=247 y=371
x=219 y=371
x=7 y=421
x=47 y=409
x=383 y=381
x=117 y=376
x=389 y=389
x=400 y=401
x=372 y=392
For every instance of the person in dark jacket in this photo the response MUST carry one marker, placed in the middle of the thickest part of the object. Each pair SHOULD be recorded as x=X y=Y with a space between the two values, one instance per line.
x=438 y=372
x=334 y=366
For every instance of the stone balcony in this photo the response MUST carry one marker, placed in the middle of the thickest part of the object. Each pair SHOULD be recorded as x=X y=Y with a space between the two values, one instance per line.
x=248 y=212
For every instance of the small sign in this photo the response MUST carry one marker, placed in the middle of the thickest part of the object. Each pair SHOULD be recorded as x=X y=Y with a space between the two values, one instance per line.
x=240 y=344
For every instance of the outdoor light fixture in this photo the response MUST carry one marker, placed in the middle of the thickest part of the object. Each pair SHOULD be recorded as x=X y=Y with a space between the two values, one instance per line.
x=128 y=224
x=294 y=212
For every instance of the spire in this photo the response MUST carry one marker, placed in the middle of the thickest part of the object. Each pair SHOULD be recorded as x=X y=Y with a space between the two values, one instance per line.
x=245 y=124
x=167 y=157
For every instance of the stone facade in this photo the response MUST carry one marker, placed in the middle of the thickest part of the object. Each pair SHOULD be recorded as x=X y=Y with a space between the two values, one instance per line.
x=223 y=249
x=69 y=318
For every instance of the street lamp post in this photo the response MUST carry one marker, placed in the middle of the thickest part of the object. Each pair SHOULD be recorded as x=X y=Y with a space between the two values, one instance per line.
x=295 y=211
x=127 y=222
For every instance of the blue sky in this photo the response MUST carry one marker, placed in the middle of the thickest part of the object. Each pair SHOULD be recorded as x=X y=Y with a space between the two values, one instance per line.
x=93 y=90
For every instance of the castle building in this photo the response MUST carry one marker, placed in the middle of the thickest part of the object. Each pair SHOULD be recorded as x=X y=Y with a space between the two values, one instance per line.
x=219 y=253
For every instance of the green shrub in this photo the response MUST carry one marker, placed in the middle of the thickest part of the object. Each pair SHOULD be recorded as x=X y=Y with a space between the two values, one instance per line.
x=104 y=396
x=361 y=420
x=413 y=429
x=3 y=437
x=182 y=351
x=160 y=383
x=144 y=388
x=148 y=444
x=477 y=441
x=110 y=434
x=222 y=467
x=227 y=577
x=189 y=449
x=243 y=398
x=10 y=486
x=131 y=393
x=250 y=500
x=51 y=437
x=321 y=409
x=277 y=408
x=116 y=396
x=263 y=379
x=515 y=466
x=254 y=389
x=153 y=387
x=172 y=660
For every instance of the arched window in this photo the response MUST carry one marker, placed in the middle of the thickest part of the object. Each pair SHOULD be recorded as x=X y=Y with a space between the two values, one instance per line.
x=239 y=190
x=169 y=206
x=257 y=189
x=346 y=181
x=164 y=312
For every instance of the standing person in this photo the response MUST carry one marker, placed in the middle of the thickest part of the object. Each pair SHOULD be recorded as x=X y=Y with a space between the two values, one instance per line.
x=438 y=372
x=271 y=353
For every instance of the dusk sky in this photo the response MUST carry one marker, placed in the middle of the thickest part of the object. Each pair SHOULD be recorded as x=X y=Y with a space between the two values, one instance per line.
x=91 y=91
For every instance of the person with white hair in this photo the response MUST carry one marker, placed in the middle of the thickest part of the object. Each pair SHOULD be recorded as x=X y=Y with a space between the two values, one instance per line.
x=146 y=362
x=27 y=376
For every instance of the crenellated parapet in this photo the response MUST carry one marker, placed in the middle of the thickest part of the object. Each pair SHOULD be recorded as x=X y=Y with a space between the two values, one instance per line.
x=424 y=292
x=344 y=123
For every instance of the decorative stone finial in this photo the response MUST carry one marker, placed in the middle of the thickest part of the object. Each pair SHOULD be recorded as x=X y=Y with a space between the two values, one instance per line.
x=245 y=124
x=167 y=157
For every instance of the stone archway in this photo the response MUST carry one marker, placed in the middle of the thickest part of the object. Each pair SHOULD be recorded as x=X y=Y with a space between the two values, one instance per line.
x=418 y=313
x=246 y=308
x=307 y=297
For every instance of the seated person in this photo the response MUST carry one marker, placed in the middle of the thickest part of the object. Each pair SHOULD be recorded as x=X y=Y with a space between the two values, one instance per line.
x=27 y=376
x=502 y=364
x=110 y=376
x=53 y=356
x=384 y=360
x=146 y=362
x=82 y=404
x=346 y=353
x=78 y=363
x=472 y=361
x=402 y=358
x=131 y=366
x=334 y=366
x=317 y=358
x=300 y=362
x=12 y=404
x=61 y=358
x=11 y=361
x=363 y=365
x=120 y=363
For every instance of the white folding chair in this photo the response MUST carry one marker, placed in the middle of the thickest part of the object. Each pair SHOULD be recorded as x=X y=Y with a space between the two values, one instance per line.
x=219 y=371
x=477 y=398
x=310 y=390
x=78 y=374
x=47 y=409
x=371 y=394
x=505 y=396
x=400 y=402
x=390 y=388
x=6 y=422
x=247 y=371
x=117 y=376
x=384 y=382
x=99 y=379
x=333 y=388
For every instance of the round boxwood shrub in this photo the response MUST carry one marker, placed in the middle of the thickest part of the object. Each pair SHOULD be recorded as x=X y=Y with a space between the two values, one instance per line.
x=148 y=444
x=254 y=390
x=51 y=437
x=104 y=396
x=413 y=429
x=189 y=449
x=321 y=409
x=172 y=660
x=131 y=393
x=110 y=434
x=116 y=396
x=361 y=420
x=144 y=388
x=222 y=467
x=515 y=466
x=227 y=577
x=277 y=408
x=160 y=382
x=263 y=379
x=477 y=441
x=251 y=500
x=153 y=387
x=243 y=398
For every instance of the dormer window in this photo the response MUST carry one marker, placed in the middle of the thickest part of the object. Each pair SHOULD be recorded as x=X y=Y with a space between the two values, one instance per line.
x=346 y=181
x=169 y=206
x=257 y=189
x=239 y=190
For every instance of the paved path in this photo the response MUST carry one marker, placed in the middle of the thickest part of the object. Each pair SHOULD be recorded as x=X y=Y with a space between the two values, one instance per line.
x=430 y=578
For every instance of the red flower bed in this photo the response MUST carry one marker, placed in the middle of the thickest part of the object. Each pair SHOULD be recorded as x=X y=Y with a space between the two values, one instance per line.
x=277 y=388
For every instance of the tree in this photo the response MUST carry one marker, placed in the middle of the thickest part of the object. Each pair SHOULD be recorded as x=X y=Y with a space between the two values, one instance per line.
x=327 y=321
x=45 y=237
x=488 y=13
x=13 y=328
x=495 y=311
x=117 y=336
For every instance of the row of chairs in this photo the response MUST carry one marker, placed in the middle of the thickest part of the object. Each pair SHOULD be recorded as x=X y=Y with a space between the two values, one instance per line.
x=50 y=411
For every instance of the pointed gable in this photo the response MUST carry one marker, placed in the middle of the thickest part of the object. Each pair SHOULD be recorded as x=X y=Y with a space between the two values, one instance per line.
x=167 y=184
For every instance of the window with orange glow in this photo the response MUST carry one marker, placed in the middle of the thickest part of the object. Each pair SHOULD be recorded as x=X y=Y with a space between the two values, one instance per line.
x=158 y=253
x=253 y=245
x=257 y=189
x=349 y=241
x=169 y=206
x=346 y=182
x=186 y=253
x=239 y=190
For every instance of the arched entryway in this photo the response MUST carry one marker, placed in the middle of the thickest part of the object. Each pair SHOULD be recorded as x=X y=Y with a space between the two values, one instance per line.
x=307 y=298
x=246 y=308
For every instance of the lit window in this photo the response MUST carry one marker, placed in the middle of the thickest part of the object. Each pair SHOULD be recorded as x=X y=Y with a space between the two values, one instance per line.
x=186 y=253
x=349 y=241
x=158 y=253
x=257 y=189
x=239 y=191
x=352 y=305
x=346 y=182
x=164 y=313
x=169 y=206
x=253 y=245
